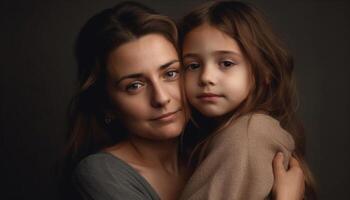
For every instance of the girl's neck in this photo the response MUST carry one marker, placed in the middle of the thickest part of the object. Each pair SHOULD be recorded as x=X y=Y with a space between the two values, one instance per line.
x=213 y=123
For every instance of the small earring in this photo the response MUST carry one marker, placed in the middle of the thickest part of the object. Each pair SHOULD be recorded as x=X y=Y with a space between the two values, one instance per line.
x=108 y=119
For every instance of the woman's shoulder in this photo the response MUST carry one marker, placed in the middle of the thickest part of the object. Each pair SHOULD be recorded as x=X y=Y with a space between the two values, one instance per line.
x=98 y=159
x=105 y=176
x=101 y=163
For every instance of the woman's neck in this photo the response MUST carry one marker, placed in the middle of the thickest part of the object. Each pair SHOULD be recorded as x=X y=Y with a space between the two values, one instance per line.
x=149 y=153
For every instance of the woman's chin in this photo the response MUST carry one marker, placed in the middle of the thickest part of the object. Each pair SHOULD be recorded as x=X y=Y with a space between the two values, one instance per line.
x=170 y=132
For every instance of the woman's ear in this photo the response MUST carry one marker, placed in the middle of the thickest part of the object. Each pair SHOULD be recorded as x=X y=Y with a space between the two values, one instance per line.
x=109 y=116
x=267 y=80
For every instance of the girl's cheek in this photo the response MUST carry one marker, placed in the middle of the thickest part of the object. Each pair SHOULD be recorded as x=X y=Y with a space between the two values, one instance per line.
x=190 y=81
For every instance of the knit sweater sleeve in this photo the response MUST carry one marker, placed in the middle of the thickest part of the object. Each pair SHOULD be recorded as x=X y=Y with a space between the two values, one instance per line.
x=239 y=161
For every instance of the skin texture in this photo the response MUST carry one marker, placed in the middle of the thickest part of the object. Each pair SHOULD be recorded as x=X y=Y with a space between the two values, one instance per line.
x=288 y=184
x=217 y=81
x=151 y=148
x=142 y=89
x=143 y=86
x=214 y=65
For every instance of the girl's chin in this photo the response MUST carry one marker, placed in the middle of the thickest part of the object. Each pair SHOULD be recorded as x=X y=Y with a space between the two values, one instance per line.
x=211 y=113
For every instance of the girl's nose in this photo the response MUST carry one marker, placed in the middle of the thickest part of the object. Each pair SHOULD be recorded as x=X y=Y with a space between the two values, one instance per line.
x=206 y=77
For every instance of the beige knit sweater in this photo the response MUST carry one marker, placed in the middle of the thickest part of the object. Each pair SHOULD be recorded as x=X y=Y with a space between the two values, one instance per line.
x=239 y=163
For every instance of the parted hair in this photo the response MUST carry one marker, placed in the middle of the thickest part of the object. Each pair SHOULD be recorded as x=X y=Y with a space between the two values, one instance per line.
x=273 y=88
x=103 y=33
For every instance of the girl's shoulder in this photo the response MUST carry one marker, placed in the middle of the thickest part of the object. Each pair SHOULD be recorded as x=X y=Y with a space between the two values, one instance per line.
x=252 y=122
x=254 y=119
x=258 y=127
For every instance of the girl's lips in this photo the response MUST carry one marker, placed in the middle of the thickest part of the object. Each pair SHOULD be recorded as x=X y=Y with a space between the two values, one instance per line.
x=209 y=96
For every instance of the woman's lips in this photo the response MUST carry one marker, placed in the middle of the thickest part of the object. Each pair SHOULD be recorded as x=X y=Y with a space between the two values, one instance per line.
x=167 y=117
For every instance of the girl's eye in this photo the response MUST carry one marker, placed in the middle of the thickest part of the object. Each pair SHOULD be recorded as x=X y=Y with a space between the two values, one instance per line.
x=227 y=64
x=134 y=86
x=172 y=74
x=192 y=66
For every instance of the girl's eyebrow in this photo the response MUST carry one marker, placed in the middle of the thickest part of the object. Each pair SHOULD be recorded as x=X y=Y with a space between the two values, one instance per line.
x=219 y=52
x=190 y=55
x=226 y=52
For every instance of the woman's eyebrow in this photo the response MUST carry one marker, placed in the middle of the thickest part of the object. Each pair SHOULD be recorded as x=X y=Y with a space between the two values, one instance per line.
x=136 y=75
x=166 y=65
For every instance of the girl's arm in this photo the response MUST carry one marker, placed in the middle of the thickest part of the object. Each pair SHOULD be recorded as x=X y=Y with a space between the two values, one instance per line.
x=288 y=184
x=239 y=161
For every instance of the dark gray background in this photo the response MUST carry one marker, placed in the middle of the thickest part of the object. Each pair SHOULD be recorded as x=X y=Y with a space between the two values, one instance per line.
x=38 y=76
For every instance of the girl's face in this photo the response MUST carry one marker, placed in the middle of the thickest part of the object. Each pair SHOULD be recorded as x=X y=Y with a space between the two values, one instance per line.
x=143 y=87
x=217 y=75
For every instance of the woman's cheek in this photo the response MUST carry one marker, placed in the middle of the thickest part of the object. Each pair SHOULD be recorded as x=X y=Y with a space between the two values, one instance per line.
x=174 y=90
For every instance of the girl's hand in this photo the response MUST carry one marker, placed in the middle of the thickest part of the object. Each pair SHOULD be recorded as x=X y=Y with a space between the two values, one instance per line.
x=288 y=184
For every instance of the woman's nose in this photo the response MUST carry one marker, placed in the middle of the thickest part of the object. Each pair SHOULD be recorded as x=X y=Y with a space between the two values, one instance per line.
x=160 y=96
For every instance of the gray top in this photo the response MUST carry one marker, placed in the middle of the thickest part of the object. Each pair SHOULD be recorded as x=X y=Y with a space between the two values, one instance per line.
x=102 y=176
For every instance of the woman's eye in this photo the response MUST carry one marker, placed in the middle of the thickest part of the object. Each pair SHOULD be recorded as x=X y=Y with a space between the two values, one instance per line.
x=192 y=66
x=227 y=64
x=171 y=74
x=134 y=86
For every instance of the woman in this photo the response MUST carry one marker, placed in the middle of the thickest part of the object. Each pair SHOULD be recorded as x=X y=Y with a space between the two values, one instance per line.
x=128 y=115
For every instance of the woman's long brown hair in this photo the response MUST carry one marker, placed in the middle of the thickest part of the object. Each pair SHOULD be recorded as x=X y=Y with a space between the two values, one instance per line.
x=273 y=90
x=104 y=32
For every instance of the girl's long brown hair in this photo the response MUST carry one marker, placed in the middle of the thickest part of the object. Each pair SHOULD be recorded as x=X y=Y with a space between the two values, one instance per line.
x=104 y=32
x=273 y=90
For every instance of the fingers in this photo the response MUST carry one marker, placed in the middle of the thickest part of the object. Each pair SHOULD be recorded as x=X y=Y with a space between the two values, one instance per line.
x=278 y=167
x=295 y=167
x=293 y=163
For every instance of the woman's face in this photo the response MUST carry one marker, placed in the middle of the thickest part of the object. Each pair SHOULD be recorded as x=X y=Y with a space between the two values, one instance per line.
x=143 y=86
x=217 y=76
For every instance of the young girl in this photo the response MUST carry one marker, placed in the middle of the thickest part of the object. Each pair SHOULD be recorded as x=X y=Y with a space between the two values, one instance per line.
x=239 y=83
x=128 y=113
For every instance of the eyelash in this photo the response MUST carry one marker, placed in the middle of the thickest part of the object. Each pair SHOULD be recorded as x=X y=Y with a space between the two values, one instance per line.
x=130 y=88
x=190 y=66
x=172 y=77
x=231 y=64
x=194 y=66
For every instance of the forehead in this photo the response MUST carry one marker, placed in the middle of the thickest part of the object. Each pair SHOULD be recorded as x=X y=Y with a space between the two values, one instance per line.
x=144 y=54
x=206 y=38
